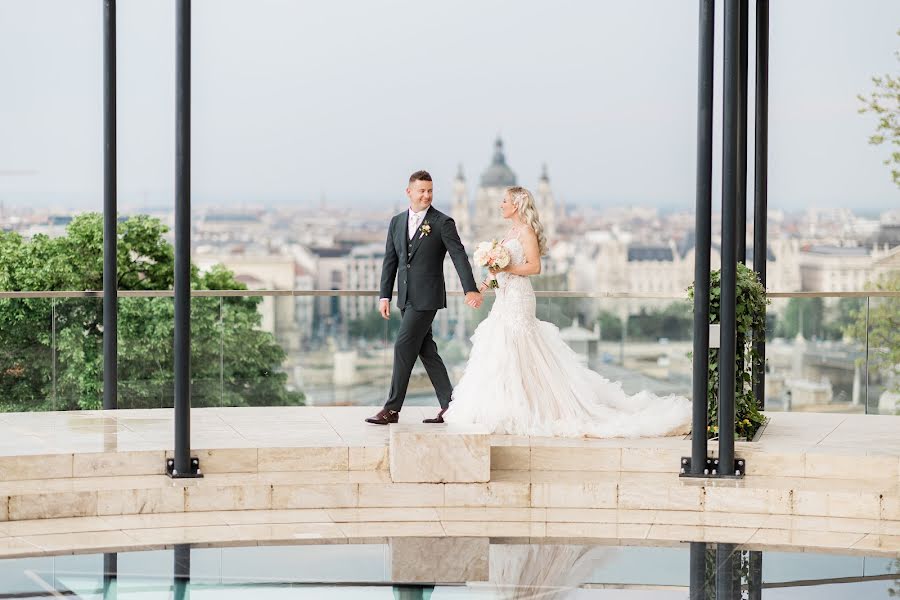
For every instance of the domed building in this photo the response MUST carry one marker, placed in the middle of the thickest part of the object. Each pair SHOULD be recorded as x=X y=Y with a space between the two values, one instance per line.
x=484 y=221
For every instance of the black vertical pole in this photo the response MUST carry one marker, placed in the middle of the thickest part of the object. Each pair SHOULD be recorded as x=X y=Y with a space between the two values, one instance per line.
x=181 y=575
x=110 y=575
x=182 y=238
x=760 y=185
x=702 y=226
x=727 y=354
x=725 y=557
x=741 y=197
x=754 y=578
x=110 y=272
x=697 y=590
x=412 y=592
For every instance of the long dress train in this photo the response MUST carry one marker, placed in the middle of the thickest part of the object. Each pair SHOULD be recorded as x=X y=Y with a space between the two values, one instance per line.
x=522 y=378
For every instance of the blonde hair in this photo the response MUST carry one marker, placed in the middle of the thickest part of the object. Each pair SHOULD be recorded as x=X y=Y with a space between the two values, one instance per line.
x=524 y=201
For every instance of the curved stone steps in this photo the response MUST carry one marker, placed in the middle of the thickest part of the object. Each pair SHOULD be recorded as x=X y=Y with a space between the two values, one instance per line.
x=124 y=495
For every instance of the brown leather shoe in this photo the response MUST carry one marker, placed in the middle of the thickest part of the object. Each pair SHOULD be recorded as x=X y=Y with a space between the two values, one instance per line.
x=438 y=419
x=384 y=417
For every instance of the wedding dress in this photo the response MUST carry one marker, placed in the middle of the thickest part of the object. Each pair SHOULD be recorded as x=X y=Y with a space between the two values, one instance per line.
x=522 y=378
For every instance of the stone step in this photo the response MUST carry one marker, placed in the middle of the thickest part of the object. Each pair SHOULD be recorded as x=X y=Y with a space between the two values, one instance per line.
x=506 y=453
x=131 y=495
x=221 y=460
x=431 y=540
x=441 y=530
x=599 y=455
x=446 y=454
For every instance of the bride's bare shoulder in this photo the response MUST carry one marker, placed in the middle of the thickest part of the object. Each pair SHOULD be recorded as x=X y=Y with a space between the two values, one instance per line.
x=528 y=232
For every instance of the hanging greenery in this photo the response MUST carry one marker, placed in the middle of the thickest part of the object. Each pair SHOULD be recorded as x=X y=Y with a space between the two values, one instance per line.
x=750 y=312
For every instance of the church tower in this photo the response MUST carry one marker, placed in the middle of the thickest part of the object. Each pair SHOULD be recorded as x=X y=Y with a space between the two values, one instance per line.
x=546 y=205
x=460 y=205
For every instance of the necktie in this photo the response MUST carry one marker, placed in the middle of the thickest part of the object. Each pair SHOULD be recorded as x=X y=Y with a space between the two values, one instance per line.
x=415 y=225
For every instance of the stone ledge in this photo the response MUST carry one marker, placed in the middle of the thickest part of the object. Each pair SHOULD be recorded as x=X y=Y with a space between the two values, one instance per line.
x=462 y=532
x=538 y=454
x=439 y=453
x=58 y=445
x=544 y=490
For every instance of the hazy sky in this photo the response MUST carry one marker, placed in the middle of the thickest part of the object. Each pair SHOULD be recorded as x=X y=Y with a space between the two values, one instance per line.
x=294 y=101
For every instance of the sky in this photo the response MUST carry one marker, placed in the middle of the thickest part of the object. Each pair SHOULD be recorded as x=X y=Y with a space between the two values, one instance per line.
x=296 y=103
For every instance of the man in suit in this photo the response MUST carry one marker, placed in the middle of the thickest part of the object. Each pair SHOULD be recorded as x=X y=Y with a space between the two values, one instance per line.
x=417 y=241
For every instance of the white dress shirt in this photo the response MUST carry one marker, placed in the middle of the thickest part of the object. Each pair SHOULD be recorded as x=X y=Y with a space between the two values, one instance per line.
x=413 y=222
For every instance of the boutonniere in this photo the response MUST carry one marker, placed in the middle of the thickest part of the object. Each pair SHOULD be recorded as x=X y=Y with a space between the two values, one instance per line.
x=425 y=229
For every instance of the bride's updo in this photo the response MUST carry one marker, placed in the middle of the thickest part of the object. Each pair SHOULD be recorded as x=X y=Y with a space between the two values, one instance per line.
x=524 y=201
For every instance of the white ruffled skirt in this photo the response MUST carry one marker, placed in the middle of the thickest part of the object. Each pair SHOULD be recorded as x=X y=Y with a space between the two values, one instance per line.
x=523 y=379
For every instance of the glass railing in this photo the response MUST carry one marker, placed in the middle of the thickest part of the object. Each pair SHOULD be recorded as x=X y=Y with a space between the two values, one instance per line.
x=834 y=353
x=825 y=352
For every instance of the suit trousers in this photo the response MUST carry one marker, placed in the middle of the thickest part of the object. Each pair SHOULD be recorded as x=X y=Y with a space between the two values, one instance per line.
x=415 y=340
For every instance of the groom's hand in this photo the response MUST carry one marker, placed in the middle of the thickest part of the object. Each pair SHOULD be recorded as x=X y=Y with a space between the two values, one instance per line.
x=384 y=307
x=474 y=299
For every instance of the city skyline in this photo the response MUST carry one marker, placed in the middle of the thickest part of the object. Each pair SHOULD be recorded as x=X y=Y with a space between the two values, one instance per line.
x=313 y=103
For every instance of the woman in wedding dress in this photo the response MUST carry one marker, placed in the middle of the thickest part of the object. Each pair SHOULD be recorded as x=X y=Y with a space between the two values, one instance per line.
x=522 y=378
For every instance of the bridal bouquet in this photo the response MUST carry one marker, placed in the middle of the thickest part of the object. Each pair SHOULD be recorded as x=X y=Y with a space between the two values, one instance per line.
x=492 y=255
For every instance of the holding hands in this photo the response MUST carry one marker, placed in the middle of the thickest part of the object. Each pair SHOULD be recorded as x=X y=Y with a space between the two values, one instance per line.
x=474 y=299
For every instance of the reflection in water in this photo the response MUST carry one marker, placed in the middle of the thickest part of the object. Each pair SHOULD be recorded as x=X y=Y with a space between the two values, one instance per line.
x=514 y=571
x=181 y=572
x=556 y=572
x=110 y=571
x=546 y=571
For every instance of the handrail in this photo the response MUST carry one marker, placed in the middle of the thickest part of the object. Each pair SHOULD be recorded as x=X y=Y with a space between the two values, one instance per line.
x=375 y=293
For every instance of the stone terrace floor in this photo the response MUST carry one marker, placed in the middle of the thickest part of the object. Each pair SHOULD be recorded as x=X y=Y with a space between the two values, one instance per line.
x=94 y=480
x=284 y=427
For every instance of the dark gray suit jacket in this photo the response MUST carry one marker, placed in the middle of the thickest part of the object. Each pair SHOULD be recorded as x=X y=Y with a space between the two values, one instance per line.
x=418 y=264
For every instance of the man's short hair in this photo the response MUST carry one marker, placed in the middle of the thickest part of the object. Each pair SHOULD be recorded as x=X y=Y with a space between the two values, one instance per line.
x=419 y=176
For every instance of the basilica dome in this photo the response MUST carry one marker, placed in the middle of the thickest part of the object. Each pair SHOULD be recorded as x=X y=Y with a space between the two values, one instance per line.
x=498 y=174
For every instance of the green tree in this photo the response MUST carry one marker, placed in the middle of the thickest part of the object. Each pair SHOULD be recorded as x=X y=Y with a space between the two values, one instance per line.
x=372 y=326
x=610 y=326
x=675 y=322
x=842 y=316
x=804 y=315
x=881 y=323
x=884 y=103
x=233 y=362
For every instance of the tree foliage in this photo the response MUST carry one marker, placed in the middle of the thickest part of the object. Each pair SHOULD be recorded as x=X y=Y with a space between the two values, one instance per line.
x=884 y=102
x=880 y=325
x=674 y=322
x=372 y=326
x=51 y=350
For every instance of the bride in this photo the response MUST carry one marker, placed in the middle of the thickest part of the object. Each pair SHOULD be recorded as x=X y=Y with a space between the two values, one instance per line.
x=521 y=377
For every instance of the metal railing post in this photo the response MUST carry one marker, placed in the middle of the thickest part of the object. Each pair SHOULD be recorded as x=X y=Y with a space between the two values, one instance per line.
x=110 y=216
x=703 y=227
x=730 y=138
x=183 y=465
x=761 y=186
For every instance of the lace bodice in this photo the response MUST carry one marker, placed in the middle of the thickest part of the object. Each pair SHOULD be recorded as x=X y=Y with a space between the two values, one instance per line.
x=516 y=256
x=515 y=301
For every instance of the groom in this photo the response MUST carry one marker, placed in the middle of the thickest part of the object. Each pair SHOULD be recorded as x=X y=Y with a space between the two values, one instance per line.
x=417 y=241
